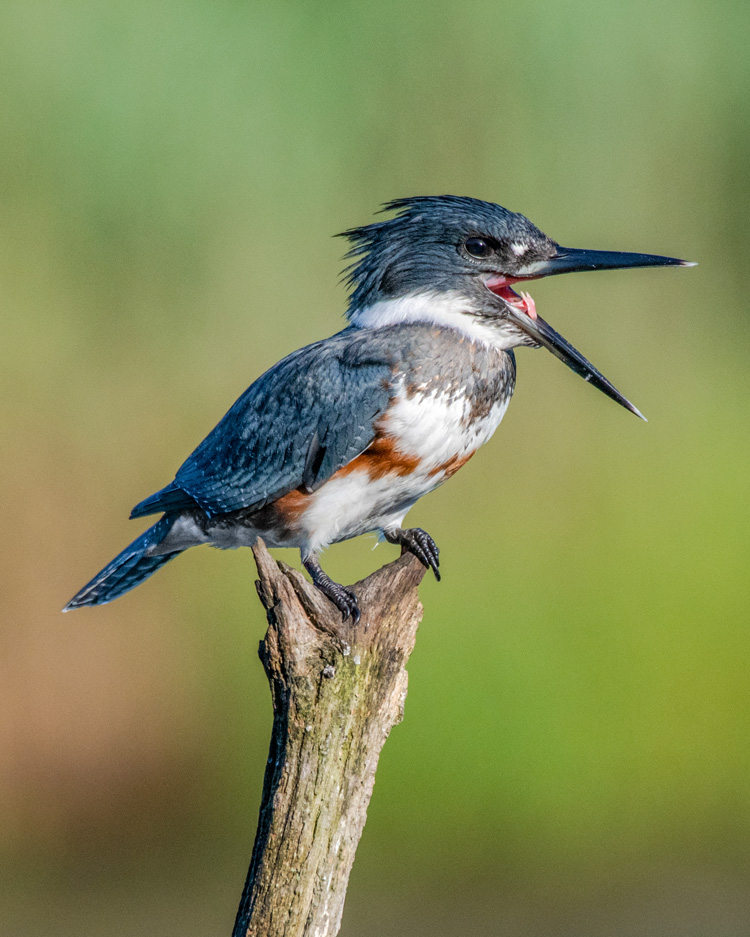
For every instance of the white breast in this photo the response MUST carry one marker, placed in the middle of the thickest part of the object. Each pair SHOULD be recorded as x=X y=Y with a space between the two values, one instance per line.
x=437 y=428
x=434 y=430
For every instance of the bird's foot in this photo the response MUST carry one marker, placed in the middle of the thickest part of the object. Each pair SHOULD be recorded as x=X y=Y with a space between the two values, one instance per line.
x=344 y=600
x=420 y=543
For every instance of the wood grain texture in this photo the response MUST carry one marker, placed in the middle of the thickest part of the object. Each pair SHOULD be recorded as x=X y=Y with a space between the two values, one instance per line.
x=337 y=691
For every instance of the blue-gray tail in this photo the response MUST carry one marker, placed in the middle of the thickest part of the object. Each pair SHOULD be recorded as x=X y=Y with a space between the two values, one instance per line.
x=127 y=570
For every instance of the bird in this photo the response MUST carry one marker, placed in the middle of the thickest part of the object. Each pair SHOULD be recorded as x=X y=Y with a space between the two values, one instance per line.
x=343 y=436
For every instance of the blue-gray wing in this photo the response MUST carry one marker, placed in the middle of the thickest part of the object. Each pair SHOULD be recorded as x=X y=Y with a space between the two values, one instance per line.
x=300 y=422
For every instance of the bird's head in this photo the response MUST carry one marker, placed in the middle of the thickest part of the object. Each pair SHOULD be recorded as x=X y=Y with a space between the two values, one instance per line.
x=454 y=261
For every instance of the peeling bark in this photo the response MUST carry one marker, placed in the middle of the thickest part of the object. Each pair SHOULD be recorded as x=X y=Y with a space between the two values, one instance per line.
x=337 y=691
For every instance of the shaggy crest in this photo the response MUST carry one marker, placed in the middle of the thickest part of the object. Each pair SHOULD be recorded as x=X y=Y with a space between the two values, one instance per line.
x=393 y=257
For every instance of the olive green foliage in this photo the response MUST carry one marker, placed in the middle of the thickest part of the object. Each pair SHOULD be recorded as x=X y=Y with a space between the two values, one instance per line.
x=575 y=743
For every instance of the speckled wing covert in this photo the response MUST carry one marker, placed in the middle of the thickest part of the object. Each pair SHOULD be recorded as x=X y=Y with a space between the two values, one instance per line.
x=301 y=421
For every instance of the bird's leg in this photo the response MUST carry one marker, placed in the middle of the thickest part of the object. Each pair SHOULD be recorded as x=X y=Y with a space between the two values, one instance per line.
x=420 y=543
x=342 y=598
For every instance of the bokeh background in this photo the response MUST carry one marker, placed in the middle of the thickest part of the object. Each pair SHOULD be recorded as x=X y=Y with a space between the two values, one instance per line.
x=574 y=758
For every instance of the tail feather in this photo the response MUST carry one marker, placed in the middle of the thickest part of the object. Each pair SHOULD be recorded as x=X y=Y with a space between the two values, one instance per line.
x=126 y=570
x=172 y=498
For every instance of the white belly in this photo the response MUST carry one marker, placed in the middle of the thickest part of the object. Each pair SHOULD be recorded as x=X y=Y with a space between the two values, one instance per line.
x=437 y=432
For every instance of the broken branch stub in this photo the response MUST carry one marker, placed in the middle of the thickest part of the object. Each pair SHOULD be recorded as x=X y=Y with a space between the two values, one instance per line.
x=337 y=691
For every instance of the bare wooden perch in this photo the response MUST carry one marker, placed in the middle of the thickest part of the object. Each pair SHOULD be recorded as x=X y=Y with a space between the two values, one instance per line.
x=337 y=692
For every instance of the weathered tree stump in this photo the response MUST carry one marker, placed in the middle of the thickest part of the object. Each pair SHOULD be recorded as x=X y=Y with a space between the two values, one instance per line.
x=337 y=691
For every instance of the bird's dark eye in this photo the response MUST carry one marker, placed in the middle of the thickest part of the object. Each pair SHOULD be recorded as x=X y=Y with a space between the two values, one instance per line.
x=477 y=247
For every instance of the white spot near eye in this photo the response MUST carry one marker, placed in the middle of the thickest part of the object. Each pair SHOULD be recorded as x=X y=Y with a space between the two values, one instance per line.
x=519 y=249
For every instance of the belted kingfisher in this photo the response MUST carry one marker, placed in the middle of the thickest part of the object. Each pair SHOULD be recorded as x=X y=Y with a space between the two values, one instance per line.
x=343 y=436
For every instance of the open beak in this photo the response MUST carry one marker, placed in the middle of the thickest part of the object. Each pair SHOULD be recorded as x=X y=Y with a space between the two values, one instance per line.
x=522 y=311
x=543 y=334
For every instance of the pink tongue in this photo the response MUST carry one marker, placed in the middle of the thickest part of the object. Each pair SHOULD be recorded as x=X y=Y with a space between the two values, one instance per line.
x=522 y=302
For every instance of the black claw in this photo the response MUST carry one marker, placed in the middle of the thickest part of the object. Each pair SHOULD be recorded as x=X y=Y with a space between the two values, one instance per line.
x=421 y=544
x=344 y=600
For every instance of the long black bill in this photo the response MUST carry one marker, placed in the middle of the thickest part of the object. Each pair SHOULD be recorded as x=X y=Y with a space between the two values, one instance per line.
x=573 y=260
x=543 y=333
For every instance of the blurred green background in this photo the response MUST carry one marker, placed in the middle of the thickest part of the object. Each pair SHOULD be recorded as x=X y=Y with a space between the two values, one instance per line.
x=574 y=758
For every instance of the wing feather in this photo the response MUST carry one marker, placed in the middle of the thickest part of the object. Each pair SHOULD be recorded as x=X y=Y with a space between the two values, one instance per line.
x=301 y=421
